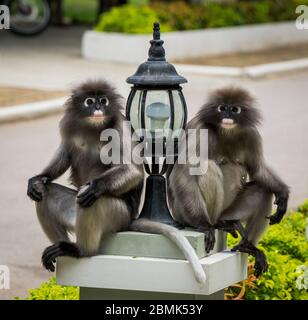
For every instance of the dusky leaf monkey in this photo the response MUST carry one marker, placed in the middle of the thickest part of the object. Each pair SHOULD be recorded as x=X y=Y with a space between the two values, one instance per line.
x=223 y=197
x=107 y=196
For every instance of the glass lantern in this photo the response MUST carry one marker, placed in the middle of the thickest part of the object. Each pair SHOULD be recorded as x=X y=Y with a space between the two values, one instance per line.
x=157 y=111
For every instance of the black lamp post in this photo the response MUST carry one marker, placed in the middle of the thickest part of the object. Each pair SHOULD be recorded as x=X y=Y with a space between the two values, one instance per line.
x=156 y=105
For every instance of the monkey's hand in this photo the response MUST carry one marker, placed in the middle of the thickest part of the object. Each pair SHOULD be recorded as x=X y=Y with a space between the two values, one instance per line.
x=88 y=194
x=36 y=187
x=282 y=204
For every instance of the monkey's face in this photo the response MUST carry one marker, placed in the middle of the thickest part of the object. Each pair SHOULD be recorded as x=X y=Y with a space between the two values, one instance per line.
x=95 y=108
x=95 y=104
x=230 y=109
x=229 y=115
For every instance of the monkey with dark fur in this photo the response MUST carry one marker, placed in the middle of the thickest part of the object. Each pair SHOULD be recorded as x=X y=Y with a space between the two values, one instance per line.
x=102 y=190
x=107 y=196
x=222 y=198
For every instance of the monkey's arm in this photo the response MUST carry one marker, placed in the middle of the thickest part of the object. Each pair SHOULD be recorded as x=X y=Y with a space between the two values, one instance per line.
x=261 y=173
x=57 y=166
x=116 y=181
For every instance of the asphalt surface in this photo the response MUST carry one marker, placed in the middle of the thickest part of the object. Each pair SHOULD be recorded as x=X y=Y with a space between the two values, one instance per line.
x=53 y=61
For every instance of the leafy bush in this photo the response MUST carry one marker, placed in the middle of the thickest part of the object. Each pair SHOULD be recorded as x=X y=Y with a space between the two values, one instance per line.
x=138 y=16
x=286 y=248
x=129 y=19
x=51 y=291
x=80 y=11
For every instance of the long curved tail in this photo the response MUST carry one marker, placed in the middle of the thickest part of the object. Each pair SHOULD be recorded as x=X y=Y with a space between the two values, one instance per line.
x=145 y=225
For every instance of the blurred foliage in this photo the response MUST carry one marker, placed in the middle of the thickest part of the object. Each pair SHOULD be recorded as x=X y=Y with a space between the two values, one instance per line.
x=80 y=11
x=137 y=16
x=138 y=2
x=286 y=248
x=51 y=291
x=129 y=19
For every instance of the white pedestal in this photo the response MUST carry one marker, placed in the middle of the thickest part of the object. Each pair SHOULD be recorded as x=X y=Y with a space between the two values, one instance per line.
x=113 y=276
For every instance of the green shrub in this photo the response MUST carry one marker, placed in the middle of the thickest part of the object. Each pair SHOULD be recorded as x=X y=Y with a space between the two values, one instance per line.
x=138 y=16
x=129 y=19
x=51 y=291
x=286 y=248
x=180 y=16
x=80 y=11
x=254 y=12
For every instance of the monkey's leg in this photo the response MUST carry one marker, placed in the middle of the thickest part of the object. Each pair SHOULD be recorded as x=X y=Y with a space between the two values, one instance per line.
x=107 y=214
x=253 y=205
x=197 y=201
x=57 y=211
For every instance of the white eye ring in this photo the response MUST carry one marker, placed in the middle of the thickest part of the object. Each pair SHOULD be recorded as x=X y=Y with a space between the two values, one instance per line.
x=238 y=109
x=89 y=101
x=104 y=101
x=221 y=108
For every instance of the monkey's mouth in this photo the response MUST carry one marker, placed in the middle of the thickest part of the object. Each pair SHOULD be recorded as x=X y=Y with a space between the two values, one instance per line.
x=97 y=116
x=228 y=124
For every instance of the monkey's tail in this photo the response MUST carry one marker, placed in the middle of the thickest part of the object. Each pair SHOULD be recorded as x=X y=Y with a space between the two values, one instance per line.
x=145 y=225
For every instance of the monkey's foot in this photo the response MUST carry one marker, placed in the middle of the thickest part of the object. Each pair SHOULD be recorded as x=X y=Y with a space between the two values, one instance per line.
x=56 y=250
x=260 y=258
x=275 y=218
x=209 y=238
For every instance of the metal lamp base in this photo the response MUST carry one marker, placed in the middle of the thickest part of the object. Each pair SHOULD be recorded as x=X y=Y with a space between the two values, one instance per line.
x=155 y=206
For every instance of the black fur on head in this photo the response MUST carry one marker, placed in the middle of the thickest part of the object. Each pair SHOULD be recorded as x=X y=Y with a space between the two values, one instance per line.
x=94 y=104
x=223 y=103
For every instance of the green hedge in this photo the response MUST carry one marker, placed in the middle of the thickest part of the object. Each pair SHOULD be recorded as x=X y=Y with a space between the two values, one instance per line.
x=179 y=15
x=51 y=291
x=285 y=246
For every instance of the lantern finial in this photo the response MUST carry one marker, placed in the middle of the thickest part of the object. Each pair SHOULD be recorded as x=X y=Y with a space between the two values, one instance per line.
x=157 y=51
x=156 y=31
x=156 y=71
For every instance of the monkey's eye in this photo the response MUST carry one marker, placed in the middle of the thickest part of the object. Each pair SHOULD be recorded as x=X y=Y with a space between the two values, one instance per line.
x=104 y=101
x=88 y=102
x=221 y=108
x=236 y=109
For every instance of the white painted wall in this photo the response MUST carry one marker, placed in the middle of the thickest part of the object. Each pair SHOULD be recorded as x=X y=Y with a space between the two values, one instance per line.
x=117 y=47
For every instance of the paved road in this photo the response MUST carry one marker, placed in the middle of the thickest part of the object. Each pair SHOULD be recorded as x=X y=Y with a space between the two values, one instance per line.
x=27 y=146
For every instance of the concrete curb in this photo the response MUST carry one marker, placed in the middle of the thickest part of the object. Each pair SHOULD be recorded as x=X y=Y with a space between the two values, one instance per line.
x=179 y=45
x=250 y=72
x=31 y=110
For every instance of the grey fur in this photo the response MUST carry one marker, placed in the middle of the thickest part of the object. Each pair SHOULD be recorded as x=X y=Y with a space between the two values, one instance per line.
x=115 y=189
x=118 y=187
x=222 y=192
